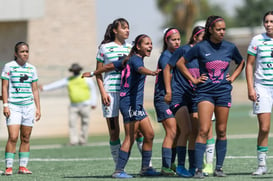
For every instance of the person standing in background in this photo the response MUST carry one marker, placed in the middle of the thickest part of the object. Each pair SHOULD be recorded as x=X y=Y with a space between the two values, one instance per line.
x=21 y=104
x=83 y=96
x=260 y=86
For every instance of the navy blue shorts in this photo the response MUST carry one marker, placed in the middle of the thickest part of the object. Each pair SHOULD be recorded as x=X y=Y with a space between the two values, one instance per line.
x=223 y=100
x=163 y=110
x=132 y=113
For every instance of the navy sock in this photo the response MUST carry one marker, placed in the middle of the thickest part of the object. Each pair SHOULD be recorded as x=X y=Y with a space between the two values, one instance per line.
x=200 y=149
x=181 y=155
x=173 y=154
x=123 y=158
x=191 y=158
x=221 y=149
x=146 y=158
x=166 y=157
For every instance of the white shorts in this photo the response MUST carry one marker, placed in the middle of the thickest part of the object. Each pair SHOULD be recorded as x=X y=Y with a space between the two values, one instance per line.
x=21 y=115
x=113 y=109
x=264 y=100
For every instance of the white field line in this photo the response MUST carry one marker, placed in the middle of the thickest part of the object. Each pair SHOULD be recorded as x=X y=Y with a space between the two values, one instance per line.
x=110 y=158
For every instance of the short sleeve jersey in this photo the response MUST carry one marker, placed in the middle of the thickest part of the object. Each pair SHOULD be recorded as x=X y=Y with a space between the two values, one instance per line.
x=132 y=82
x=159 y=82
x=108 y=53
x=261 y=46
x=179 y=83
x=214 y=61
x=20 y=82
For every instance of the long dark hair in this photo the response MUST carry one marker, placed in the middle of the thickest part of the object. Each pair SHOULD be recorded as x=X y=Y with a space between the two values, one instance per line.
x=17 y=46
x=134 y=50
x=210 y=23
x=109 y=35
x=267 y=13
x=196 y=32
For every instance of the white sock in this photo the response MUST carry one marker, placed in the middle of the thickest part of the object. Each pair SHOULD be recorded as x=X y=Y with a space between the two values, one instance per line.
x=9 y=162
x=210 y=153
x=261 y=156
x=23 y=162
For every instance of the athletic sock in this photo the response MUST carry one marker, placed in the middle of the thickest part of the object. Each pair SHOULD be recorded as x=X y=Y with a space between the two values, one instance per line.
x=122 y=160
x=221 y=149
x=9 y=158
x=261 y=155
x=173 y=154
x=210 y=150
x=23 y=159
x=191 y=158
x=140 y=144
x=166 y=157
x=181 y=155
x=114 y=147
x=146 y=158
x=200 y=149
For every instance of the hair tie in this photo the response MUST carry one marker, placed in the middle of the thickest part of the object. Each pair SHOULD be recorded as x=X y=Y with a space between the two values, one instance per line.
x=169 y=33
x=141 y=37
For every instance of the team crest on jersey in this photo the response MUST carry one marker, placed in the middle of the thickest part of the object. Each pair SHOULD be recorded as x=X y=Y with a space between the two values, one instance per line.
x=111 y=49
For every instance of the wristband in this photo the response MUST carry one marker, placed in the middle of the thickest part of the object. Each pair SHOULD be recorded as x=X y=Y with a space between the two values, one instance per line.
x=5 y=105
x=91 y=74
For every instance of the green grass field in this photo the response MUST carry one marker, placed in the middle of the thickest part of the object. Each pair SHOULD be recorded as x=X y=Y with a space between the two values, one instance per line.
x=52 y=160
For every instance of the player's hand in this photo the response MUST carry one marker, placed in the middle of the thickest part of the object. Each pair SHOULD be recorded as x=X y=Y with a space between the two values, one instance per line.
x=106 y=100
x=37 y=115
x=154 y=73
x=201 y=79
x=252 y=95
x=168 y=98
x=6 y=112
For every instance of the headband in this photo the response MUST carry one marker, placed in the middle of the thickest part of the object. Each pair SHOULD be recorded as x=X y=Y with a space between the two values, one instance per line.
x=141 y=37
x=217 y=19
x=198 y=32
x=169 y=33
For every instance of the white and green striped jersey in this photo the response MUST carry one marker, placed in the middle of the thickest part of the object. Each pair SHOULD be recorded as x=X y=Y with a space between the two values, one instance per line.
x=20 y=82
x=261 y=46
x=110 y=52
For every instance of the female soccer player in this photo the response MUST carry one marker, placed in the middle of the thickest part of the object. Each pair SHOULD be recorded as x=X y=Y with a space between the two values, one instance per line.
x=111 y=49
x=214 y=87
x=171 y=41
x=135 y=117
x=180 y=96
x=20 y=97
x=260 y=86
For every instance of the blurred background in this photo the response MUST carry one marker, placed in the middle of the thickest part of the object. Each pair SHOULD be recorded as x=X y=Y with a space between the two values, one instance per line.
x=66 y=31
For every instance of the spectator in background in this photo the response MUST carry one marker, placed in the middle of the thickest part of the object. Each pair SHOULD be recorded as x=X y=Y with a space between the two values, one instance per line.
x=83 y=96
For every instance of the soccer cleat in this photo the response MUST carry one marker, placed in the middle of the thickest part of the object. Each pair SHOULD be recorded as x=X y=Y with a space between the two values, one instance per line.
x=192 y=171
x=24 y=170
x=219 y=173
x=173 y=167
x=198 y=174
x=183 y=172
x=208 y=169
x=150 y=171
x=121 y=174
x=8 y=171
x=261 y=170
x=167 y=172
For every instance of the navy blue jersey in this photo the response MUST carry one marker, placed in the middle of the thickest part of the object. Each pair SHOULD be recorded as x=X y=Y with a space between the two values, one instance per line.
x=214 y=60
x=159 y=82
x=132 y=83
x=180 y=84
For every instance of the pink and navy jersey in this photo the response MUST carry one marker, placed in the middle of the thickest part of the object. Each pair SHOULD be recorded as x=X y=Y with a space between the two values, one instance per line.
x=159 y=82
x=132 y=82
x=180 y=84
x=214 y=60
